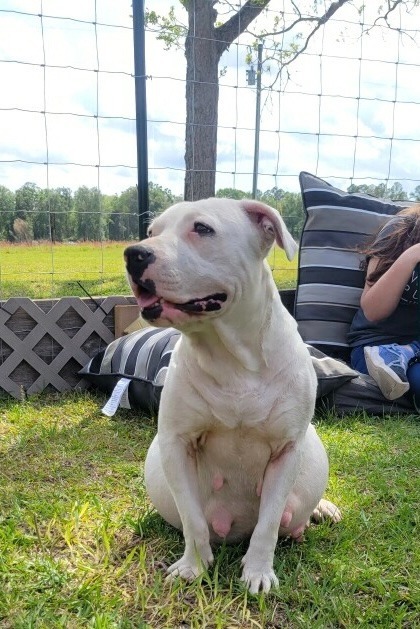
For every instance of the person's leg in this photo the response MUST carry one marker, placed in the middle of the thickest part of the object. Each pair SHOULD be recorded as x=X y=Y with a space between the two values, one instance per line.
x=357 y=359
x=388 y=364
x=413 y=375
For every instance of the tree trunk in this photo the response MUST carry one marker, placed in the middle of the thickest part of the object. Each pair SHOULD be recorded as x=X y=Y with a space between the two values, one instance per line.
x=202 y=96
x=204 y=46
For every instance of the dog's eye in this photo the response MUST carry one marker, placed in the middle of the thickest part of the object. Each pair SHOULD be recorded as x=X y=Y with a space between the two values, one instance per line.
x=149 y=233
x=203 y=230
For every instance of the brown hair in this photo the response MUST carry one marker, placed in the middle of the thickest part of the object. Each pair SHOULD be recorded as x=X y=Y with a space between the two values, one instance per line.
x=405 y=233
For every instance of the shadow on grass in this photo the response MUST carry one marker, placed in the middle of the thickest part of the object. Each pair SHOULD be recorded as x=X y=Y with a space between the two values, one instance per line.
x=62 y=449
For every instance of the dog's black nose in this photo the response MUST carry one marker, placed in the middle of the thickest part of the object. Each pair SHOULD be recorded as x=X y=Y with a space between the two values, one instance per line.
x=137 y=259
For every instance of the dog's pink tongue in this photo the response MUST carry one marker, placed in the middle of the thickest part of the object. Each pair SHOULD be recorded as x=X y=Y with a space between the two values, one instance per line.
x=221 y=521
x=147 y=300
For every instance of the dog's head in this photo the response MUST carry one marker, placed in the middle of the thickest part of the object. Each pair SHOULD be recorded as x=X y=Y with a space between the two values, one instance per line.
x=202 y=256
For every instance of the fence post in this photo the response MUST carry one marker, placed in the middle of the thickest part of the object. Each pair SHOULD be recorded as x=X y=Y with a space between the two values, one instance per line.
x=257 y=123
x=141 y=116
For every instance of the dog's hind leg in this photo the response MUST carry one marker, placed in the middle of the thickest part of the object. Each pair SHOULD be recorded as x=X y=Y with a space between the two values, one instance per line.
x=326 y=509
x=305 y=502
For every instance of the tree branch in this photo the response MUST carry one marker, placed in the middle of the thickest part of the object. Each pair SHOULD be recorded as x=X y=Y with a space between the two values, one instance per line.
x=391 y=7
x=334 y=7
x=238 y=23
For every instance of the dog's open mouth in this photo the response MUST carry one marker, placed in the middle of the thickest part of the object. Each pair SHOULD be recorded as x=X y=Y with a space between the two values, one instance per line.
x=152 y=305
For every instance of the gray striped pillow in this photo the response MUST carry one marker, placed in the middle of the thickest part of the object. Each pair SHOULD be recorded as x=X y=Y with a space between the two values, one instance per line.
x=141 y=357
x=330 y=281
x=140 y=361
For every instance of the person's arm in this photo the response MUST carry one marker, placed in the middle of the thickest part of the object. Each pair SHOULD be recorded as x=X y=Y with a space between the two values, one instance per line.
x=380 y=299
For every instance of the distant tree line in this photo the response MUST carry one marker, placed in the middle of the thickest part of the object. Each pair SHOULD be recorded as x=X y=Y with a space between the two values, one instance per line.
x=290 y=204
x=60 y=215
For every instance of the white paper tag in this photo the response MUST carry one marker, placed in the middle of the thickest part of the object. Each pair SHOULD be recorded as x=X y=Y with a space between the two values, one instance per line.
x=113 y=403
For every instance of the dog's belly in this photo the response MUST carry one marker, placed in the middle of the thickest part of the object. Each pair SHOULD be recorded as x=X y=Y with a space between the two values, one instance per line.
x=230 y=468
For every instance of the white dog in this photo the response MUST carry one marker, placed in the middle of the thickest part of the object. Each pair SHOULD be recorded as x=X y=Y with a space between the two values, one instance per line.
x=235 y=455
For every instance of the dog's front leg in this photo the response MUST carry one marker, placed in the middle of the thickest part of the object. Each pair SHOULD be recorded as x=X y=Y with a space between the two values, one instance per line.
x=279 y=478
x=181 y=474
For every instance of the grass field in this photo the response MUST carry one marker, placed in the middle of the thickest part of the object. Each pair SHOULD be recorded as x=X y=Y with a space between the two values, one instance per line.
x=42 y=270
x=80 y=546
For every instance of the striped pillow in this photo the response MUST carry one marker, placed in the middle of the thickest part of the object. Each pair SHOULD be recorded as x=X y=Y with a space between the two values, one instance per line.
x=139 y=361
x=133 y=369
x=330 y=281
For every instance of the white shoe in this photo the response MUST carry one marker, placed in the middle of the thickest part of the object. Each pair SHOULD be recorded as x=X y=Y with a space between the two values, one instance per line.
x=388 y=367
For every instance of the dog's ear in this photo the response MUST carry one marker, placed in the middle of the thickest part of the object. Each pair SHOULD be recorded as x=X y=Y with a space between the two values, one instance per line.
x=272 y=226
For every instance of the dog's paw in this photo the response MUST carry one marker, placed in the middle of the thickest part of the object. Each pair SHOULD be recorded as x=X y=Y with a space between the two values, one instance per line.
x=326 y=509
x=190 y=566
x=185 y=569
x=258 y=576
x=255 y=580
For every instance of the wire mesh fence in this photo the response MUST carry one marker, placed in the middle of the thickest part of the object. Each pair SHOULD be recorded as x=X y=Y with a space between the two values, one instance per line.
x=68 y=149
x=346 y=109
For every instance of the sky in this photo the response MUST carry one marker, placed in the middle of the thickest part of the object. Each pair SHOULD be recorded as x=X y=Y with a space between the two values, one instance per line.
x=349 y=112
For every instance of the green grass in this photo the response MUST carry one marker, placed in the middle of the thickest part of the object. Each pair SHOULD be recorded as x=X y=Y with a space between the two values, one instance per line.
x=43 y=270
x=284 y=271
x=81 y=547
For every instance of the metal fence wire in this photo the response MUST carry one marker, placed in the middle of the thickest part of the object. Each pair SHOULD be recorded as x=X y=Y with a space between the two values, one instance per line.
x=347 y=110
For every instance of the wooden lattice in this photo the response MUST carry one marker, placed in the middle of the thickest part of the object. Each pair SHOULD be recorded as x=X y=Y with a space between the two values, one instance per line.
x=43 y=344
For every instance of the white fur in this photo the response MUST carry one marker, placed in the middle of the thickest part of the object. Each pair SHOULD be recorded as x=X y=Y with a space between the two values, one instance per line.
x=235 y=454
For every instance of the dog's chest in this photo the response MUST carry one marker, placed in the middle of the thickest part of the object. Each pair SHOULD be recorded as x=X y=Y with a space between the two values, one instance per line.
x=243 y=406
x=248 y=410
x=236 y=410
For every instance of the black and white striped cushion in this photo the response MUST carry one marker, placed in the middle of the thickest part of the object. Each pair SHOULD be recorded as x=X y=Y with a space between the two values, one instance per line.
x=142 y=358
x=330 y=281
